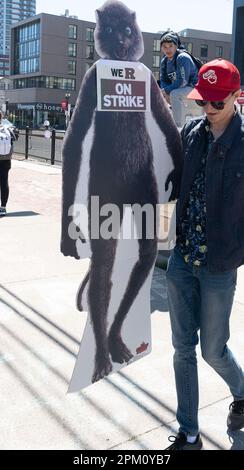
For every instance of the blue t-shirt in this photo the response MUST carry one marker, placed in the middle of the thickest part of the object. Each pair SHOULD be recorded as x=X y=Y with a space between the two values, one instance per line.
x=180 y=70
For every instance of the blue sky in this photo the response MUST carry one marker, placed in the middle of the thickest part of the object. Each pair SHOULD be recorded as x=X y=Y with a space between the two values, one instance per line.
x=156 y=15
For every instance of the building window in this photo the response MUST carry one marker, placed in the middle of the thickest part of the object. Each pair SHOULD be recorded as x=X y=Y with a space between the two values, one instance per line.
x=27 y=49
x=156 y=45
x=90 y=52
x=45 y=82
x=72 y=49
x=219 y=51
x=72 y=67
x=27 y=66
x=189 y=47
x=72 y=31
x=90 y=34
x=156 y=61
x=25 y=33
x=204 y=50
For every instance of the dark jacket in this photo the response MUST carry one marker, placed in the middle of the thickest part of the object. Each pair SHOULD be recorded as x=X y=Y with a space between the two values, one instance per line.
x=224 y=189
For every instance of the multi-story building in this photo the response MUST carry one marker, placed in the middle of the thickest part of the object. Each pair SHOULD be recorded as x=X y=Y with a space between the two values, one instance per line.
x=50 y=55
x=238 y=37
x=206 y=45
x=11 y=11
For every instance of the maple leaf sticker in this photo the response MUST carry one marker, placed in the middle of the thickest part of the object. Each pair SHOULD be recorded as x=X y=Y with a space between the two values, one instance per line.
x=142 y=348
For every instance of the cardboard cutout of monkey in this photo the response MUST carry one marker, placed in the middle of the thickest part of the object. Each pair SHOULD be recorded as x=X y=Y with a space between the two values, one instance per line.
x=121 y=158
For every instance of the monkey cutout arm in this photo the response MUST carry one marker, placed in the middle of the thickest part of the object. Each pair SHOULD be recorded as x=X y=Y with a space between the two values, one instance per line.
x=72 y=153
x=167 y=125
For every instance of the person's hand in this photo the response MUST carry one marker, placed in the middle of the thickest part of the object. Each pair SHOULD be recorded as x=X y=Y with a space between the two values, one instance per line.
x=174 y=178
x=68 y=247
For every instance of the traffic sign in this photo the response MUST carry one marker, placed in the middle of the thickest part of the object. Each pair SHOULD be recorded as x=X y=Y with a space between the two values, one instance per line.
x=240 y=100
x=64 y=105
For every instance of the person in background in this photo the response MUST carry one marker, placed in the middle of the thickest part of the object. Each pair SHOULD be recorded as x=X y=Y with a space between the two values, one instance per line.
x=202 y=271
x=178 y=75
x=6 y=148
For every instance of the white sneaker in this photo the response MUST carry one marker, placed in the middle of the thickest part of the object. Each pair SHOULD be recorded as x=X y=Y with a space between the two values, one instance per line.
x=3 y=211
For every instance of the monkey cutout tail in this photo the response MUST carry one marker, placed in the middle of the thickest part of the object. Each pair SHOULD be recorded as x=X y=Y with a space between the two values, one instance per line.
x=80 y=292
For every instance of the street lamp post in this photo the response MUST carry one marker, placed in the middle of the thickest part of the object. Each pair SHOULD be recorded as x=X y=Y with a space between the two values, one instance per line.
x=7 y=108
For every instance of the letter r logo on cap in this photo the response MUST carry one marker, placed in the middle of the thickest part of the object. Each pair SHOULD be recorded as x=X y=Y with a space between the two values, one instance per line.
x=210 y=76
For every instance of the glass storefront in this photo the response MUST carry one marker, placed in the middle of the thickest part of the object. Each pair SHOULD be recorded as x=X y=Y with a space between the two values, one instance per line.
x=34 y=115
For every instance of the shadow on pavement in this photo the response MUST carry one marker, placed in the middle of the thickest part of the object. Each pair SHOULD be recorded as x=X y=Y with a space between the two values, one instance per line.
x=42 y=362
x=42 y=401
x=139 y=403
x=158 y=302
x=21 y=214
x=166 y=407
x=48 y=407
x=39 y=314
x=36 y=355
x=39 y=328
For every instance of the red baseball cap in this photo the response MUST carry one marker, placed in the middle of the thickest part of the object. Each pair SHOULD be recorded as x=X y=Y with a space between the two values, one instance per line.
x=216 y=80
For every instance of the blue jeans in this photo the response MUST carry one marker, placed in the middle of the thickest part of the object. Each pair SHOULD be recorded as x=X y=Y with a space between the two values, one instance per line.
x=200 y=301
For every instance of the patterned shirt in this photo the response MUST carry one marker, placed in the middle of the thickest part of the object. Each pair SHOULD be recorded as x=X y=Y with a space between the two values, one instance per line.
x=192 y=237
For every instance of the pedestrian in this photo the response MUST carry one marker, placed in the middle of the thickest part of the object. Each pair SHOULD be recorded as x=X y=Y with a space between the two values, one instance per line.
x=202 y=270
x=178 y=75
x=6 y=146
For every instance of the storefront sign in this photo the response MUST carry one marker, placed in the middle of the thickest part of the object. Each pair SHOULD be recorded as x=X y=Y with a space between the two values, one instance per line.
x=48 y=107
x=25 y=106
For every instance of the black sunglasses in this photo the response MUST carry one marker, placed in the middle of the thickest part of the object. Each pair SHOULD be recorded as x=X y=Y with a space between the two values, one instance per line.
x=215 y=104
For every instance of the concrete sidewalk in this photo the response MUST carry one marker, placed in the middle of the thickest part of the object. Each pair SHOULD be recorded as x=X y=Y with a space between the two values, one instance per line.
x=40 y=331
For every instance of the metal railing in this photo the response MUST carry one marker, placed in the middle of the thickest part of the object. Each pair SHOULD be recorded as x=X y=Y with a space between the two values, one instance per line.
x=33 y=144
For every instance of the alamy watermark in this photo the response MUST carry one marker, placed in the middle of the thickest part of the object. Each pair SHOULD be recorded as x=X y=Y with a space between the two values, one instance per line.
x=128 y=222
